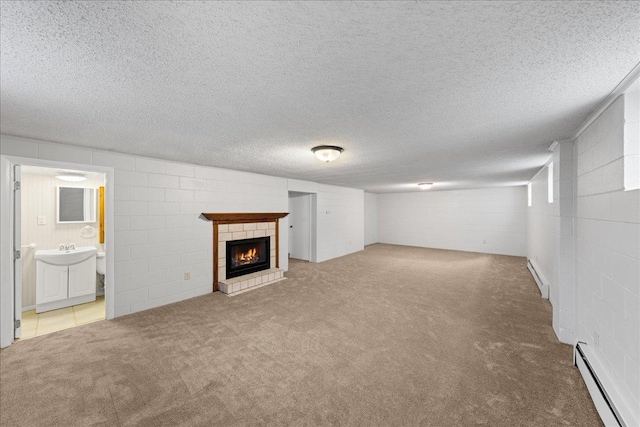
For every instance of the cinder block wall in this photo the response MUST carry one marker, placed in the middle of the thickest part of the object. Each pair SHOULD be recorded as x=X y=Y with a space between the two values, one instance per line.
x=608 y=247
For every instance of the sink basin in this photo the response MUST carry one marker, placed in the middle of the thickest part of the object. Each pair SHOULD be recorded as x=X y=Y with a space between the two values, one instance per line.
x=67 y=257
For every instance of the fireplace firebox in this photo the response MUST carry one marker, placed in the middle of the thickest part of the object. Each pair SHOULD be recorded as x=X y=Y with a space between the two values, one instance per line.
x=247 y=256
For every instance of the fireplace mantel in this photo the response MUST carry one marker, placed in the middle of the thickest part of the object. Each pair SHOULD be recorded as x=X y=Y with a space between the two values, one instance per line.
x=237 y=218
x=218 y=219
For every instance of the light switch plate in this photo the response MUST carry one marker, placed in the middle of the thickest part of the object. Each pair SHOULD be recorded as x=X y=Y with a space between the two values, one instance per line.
x=42 y=220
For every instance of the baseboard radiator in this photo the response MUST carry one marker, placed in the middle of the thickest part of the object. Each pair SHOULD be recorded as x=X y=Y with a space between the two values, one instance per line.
x=610 y=414
x=542 y=285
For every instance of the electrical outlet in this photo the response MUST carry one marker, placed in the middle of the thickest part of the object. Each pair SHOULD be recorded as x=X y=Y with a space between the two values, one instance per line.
x=42 y=220
x=187 y=275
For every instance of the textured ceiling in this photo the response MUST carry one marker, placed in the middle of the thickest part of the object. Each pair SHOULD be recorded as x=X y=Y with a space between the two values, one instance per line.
x=464 y=94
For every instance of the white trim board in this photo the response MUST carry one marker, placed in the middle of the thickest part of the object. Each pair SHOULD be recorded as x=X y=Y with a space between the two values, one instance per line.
x=628 y=80
x=542 y=168
x=539 y=278
x=604 y=390
x=6 y=254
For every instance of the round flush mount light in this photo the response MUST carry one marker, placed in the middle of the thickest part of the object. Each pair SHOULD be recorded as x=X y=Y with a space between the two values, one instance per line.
x=327 y=153
x=425 y=185
x=71 y=176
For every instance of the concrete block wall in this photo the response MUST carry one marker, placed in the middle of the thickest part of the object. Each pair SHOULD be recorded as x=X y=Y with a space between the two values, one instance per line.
x=340 y=221
x=489 y=220
x=158 y=230
x=608 y=252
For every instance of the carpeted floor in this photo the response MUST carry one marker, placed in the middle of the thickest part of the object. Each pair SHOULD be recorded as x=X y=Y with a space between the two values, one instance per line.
x=390 y=336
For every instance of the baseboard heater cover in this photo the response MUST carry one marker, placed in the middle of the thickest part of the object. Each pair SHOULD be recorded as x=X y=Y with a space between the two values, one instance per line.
x=609 y=413
x=542 y=285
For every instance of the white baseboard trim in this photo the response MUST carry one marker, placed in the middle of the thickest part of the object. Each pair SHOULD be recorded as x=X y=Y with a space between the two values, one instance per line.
x=33 y=307
x=610 y=405
x=542 y=283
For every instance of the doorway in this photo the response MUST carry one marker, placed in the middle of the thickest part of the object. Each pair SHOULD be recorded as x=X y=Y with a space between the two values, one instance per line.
x=301 y=239
x=60 y=217
x=39 y=218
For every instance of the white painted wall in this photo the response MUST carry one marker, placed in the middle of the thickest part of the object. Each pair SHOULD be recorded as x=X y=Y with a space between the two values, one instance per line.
x=550 y=237
x=370 y=218
x=489 y=220
x=540 y=223
x=39 y=198
x=160 y=234
x=608 y=250
x=340 y=216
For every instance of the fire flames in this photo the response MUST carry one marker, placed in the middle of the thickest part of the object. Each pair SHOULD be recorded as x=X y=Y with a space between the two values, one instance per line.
x=249 y=257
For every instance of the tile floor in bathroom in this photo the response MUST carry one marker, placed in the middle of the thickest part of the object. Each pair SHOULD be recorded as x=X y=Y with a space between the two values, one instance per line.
x=34 y=325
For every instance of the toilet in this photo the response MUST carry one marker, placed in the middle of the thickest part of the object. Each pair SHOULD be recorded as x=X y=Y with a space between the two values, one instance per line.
x=101 y=263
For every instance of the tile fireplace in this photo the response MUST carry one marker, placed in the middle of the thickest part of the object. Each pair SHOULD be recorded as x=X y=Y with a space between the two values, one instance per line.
x=245 y=250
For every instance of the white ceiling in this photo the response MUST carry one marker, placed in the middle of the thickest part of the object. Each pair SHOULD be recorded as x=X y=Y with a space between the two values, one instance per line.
x=465 y=94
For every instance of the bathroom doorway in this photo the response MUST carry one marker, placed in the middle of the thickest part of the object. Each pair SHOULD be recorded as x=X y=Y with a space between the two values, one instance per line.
x=62 y=249
x=60 y=218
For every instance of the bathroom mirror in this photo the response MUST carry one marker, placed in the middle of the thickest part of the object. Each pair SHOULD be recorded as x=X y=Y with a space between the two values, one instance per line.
x=76 y=204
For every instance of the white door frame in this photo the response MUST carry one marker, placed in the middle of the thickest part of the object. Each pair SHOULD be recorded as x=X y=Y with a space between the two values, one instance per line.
x=7 y=296
x=17 y=246
x=313 y=214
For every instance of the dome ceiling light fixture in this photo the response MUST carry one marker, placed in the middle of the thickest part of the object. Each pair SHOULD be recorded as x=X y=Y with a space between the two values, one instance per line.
x=425 y=185
x=71 y=176
x=327 y=153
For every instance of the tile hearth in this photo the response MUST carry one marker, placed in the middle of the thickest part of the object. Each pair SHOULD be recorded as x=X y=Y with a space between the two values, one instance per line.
x=241 y=284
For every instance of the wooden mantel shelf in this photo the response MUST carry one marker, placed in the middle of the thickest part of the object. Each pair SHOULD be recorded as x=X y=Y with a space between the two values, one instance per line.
x=239 y=218
x=234 y=218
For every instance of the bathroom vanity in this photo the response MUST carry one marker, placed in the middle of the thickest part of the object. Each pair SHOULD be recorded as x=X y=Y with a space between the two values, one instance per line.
x=65 y=277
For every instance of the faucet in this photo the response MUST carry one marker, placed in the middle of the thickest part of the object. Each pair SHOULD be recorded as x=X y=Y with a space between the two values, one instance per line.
x=72 y=246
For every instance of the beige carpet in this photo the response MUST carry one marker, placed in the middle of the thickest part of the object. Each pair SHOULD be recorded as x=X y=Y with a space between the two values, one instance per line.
x=391 y=336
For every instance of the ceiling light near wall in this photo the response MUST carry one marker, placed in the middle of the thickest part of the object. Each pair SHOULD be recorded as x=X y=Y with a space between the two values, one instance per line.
x=425 y=185
x=71 y=176
x=327 y=153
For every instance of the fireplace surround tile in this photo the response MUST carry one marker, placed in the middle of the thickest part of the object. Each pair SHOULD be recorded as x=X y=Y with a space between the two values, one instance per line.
x=237 y=235
x=237 y=226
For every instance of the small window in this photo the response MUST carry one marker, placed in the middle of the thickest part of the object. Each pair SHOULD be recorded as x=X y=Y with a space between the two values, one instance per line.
x=550 y=182
x=529 y=198
x=631 y=162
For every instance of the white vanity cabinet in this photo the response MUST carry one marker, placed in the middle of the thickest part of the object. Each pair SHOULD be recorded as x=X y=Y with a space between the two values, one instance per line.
x=52 y=282
x=65 y=278
x=82 y=278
